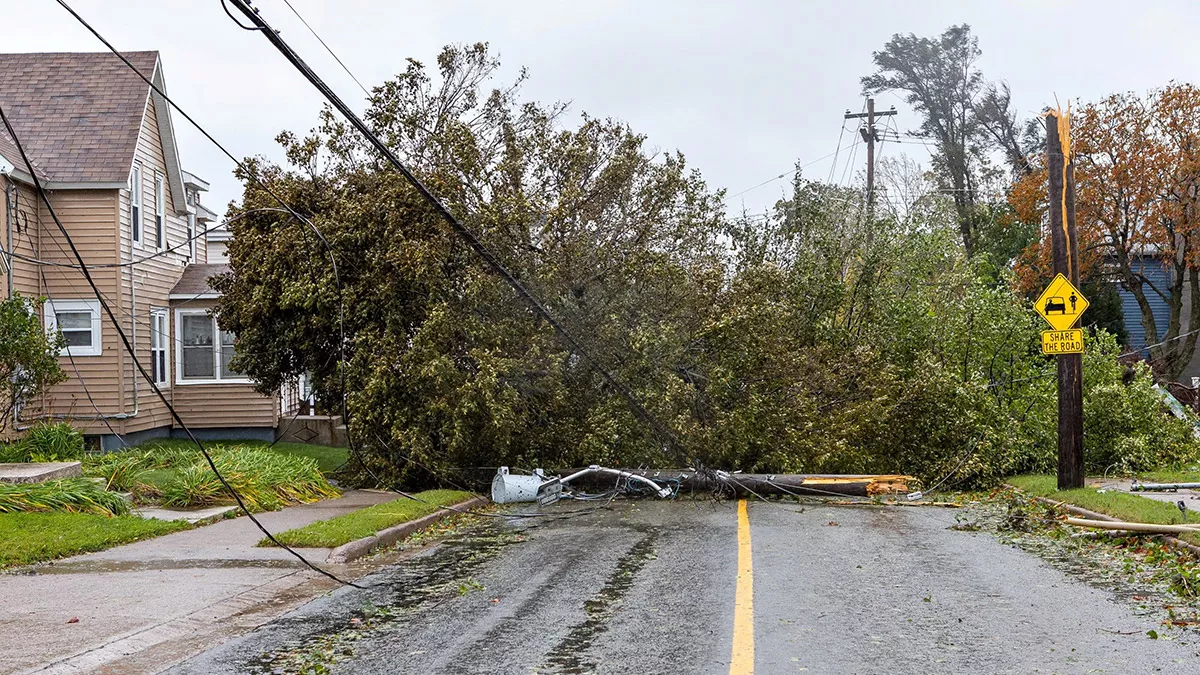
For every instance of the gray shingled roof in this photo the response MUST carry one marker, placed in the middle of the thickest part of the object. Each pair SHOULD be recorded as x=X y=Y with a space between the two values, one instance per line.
x=77 y=114
x=195 y=279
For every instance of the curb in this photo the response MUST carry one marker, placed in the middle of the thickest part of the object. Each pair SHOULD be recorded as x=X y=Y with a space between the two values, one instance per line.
x=361 y=547
x=1080 y=511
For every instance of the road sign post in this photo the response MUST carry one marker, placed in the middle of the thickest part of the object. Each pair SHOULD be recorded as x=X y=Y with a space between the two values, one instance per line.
x=1058 y=308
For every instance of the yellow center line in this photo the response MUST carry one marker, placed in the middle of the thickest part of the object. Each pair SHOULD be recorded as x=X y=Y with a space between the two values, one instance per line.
x=742 y=662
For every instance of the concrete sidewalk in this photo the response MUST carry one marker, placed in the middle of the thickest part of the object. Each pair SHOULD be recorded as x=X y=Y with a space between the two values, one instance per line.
x=144 y=606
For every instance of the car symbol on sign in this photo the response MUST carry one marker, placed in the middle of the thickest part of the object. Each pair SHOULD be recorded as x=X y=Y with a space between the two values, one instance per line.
x=1056 y=304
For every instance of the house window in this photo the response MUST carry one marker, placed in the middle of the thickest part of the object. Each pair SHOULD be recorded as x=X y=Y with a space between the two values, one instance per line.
x=159 y=348
x=160 y=209
x=135 y=203
x=191 y=237
x=204 y=349
x=79 y=322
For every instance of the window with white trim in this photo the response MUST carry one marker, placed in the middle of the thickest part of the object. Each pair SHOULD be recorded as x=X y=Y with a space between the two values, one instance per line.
x=160 y=211
x=135 y=204
x=79 y=322
x=191 y=237
x=159 y=347
x=204 y=349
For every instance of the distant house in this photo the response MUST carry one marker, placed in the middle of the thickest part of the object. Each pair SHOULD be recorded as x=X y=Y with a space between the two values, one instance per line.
x=1159 y=274
x=103 y=144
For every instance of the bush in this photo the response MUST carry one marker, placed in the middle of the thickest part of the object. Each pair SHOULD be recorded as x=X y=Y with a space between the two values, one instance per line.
x=53 y=442
x=28 y=356
x=266 y=480
x=12 y=453
x=73 y=495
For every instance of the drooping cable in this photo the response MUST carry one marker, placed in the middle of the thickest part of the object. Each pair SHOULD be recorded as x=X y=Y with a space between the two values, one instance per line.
x=327 y=47
x=104 y=305
x=665 y=435
x=285 y=207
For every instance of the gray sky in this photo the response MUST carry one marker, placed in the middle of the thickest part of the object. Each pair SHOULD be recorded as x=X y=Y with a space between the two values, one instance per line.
x=743 y=89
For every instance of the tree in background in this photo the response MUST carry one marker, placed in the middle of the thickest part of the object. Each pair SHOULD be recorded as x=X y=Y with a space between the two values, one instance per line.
x=28 y=357
x=1137 y=179
x=963 y=115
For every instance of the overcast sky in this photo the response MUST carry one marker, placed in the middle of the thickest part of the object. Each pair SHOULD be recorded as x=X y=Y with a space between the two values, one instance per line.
x=743 y=89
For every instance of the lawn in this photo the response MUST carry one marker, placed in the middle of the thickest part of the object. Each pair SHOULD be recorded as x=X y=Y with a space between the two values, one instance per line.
x=34 y=537
x=366 y=522
x=1168 y=476
x=1119 y=505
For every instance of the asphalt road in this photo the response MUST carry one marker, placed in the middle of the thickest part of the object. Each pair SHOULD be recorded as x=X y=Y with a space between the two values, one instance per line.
x=650 y=587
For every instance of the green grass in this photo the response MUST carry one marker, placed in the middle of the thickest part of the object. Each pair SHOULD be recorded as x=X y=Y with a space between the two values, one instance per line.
x=1170 y=476
x=70 y=495
x=34 y=537
x=175 y=473
x=329 y=460
x=366 y=522
x=1119 y=505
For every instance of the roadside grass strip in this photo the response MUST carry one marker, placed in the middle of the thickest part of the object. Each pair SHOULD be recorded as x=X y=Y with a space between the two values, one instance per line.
x=35 y=537
x=367 y=522
x=1119 y=505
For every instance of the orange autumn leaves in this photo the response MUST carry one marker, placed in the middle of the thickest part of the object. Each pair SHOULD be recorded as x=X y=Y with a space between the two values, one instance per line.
x=1137 y=172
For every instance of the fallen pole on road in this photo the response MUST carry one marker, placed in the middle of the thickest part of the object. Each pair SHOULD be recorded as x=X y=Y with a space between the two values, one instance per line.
x=763 y=484
x=1163 y=487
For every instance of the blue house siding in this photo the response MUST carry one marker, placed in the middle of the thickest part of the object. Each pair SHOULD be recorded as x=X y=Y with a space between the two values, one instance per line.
x=1159 y=275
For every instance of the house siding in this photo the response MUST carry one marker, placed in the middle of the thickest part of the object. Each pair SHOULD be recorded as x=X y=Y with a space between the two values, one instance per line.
x=146 y=285
x=1158 y=274
x=93 y=386
x=224 y=405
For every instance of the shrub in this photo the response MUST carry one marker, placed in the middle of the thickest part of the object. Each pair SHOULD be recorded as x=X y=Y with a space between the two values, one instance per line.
x=53 y=442
x=13 y=453
x=72 y=495
x=266 y=480
x=28 y=356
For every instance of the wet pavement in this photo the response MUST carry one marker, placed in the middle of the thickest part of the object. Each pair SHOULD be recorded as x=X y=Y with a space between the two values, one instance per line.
x=139 y=607
x=649 y=587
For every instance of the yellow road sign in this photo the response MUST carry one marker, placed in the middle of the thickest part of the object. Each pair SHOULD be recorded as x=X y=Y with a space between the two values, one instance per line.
x=1061 y=304
x=1062 y=341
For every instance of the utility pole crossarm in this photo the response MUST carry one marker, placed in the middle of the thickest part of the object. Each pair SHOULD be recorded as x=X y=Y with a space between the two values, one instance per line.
x=857 y=116
x=870 y=136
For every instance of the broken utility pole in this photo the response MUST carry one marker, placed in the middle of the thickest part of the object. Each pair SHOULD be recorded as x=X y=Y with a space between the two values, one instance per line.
x=1065 y=246
x=870 y=136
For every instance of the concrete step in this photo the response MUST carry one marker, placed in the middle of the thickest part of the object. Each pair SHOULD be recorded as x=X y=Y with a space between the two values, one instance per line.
x=39 y=472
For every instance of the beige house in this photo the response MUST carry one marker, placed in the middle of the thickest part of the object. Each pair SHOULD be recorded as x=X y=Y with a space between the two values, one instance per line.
x=103 y=144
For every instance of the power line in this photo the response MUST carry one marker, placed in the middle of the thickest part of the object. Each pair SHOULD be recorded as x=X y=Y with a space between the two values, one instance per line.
x=327 y=48
x=133 y=354
x=833 y=164
x=457 y=226
x=286 y=208
x=790 y=172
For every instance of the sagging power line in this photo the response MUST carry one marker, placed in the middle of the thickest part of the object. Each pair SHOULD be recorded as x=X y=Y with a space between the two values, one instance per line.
x=665 y=435
x=104 y=305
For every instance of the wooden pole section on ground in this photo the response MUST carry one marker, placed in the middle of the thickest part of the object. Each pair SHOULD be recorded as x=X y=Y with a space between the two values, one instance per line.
x=761 y=484
x=1065 y=246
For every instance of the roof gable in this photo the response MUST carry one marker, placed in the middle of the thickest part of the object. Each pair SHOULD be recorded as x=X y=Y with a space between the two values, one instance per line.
x=78 y=114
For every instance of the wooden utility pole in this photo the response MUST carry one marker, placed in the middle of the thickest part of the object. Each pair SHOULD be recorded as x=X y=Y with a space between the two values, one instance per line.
x=1065 y=246
x=870 y=136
